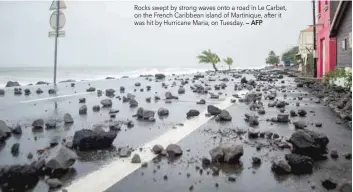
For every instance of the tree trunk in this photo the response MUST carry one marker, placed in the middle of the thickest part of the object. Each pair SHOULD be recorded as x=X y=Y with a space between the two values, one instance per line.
x=229 y=67
x=214 y=67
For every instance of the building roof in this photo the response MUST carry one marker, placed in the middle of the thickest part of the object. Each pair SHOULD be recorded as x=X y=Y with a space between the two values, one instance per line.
x=308 y=29
x=339 y=15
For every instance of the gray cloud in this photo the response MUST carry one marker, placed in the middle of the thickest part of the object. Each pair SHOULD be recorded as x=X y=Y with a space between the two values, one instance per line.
x=102 y=33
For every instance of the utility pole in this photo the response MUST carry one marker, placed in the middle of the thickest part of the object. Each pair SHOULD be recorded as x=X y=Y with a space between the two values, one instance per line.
x=57 y=22
x=314 y=38
x=56 y=39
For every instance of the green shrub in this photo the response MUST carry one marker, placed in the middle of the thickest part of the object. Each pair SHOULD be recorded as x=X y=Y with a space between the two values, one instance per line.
x=340 y=73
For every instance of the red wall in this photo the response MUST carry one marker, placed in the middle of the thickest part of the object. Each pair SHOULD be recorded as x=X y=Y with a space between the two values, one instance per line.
x=322 y=31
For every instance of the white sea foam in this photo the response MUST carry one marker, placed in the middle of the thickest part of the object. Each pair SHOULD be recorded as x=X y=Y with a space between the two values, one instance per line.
x=33 y=75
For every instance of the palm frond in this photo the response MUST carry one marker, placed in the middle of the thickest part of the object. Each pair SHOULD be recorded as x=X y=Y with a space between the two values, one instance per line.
x=228 y=60
x=208 y=57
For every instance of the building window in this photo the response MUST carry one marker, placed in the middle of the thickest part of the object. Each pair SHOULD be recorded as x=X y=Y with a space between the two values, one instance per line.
x=309 y=39
x=344 y=44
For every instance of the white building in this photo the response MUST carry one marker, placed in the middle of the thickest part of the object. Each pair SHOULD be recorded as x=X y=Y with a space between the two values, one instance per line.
x=305 y=43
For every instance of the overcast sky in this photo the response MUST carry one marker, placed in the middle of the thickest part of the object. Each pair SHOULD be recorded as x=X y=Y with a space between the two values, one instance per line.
x=102 y=33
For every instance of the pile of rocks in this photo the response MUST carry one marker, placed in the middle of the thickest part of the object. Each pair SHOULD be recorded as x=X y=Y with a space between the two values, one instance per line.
x=308 y=146
x=24 y=177
x=339 y=99
x=144 y=114
x=227 y=153
x=199 y=89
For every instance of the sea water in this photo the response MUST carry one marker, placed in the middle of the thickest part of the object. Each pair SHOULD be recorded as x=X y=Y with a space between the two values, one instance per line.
x=31 y=75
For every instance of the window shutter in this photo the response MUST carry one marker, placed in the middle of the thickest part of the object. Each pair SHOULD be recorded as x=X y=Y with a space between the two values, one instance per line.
x=343 y=44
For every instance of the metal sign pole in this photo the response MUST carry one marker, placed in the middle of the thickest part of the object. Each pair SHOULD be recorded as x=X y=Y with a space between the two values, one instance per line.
x=56 y=39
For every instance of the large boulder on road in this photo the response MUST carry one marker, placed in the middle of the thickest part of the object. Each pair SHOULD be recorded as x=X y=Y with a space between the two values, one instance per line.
x=82 y=110
x=192 y=113
x=217 y=154
x=148 y=114
x=229 y=153
x=106 y=102
x=232 y=153
x=243 y=80
x=68 y=118
x=63 y=160
x=225 y=116
x=144 y=114
x=309 y=143
x=133 y=103
x=280 y=104
x=283 y=118
x=86 y=139
x=300 y=164
x=251 y=119
x=163 y=112
x=109 y=92
x=299 y=124
x=5 y=131
x=18 y=177
x=157 y=149
x=169 y=95
x=174 y=150
x=181 y=90
x=91 y=89
x=213 y=110
x=252 y=96
x=38 y=123
x=281 y=167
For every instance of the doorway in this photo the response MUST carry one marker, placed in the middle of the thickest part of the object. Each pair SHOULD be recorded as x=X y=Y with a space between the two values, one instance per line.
x=323 y=57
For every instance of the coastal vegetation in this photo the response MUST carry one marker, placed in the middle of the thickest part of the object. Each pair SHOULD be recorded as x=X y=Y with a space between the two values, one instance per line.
x=228 y=61
x=272 y=58
x=209 y=58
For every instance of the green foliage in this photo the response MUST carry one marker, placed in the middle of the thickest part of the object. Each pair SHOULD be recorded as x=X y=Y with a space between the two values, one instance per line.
x=340 y=73
x=291 y=55
x=229 y=61
x=348 y=82
x=208 y=57
x=272 y=58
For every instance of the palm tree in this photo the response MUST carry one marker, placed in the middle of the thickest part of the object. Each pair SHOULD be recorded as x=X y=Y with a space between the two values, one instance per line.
x=229 y=61
x=208 y=57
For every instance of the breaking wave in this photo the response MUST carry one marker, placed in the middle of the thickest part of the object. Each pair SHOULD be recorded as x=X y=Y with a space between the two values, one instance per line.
x=32 y=75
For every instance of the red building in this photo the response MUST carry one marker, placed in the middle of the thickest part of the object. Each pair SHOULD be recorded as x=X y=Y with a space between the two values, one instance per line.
x=325 y=46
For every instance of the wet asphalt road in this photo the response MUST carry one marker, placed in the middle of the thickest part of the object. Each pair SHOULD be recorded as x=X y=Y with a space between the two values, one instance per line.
x=24 y=109
x=248 y=177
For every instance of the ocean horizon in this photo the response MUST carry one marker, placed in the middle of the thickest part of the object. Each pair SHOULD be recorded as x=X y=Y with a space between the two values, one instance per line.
x=31 y=75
